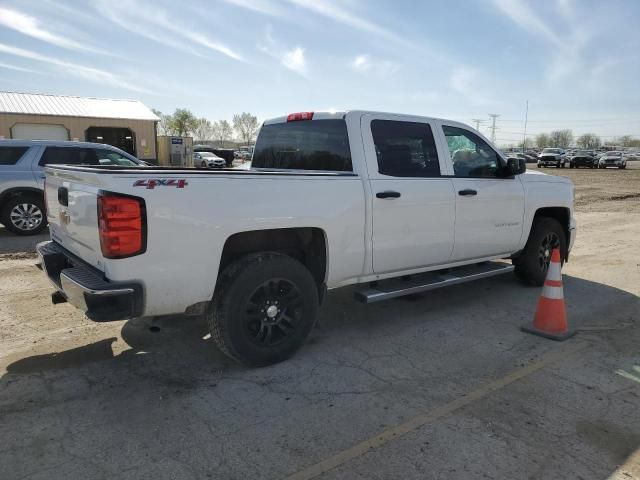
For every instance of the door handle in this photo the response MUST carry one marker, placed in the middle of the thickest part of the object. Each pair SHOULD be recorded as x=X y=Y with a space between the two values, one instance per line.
x=467 y=192
x=388 y=194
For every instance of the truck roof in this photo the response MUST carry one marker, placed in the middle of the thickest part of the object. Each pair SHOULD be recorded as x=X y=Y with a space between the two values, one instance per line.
x=337 y=114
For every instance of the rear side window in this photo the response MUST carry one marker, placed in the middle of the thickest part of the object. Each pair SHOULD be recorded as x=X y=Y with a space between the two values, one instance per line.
x=405 y=149
x=68 y=155
x=305 y=145
x=11 y=155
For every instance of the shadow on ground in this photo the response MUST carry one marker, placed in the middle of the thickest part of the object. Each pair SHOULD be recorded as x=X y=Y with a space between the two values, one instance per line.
x=180 y=409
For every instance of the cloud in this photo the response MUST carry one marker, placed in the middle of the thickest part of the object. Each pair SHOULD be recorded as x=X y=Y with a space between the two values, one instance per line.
x=153 y=23
x=264 y=7
x=338 y=14
x=81 y=71
x=16 y=68
x=464 y=80
x=30 y=26
x=294 y=60
x=367 y=64
x=568 y=43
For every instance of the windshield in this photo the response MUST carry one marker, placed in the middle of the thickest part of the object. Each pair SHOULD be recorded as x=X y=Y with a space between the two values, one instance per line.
x=614 y=154
x=109 y=157
x=551 y=150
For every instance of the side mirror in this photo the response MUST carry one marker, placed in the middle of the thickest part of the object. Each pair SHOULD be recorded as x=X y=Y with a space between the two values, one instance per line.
x=516 y=166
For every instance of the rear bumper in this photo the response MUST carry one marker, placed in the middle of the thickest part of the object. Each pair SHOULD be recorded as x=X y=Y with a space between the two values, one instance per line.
x=85 y=288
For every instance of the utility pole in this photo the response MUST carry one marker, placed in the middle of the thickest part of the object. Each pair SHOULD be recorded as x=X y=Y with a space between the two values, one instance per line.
x=493 y=126
x=526 y=117
x=477 y=121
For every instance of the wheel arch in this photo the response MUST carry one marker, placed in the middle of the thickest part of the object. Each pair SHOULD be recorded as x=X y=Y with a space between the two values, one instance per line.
x=13 y=192
x=561 y=214
x=308 y=245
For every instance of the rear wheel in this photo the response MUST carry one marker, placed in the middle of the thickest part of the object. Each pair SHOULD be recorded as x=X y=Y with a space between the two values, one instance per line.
x=24 y=215
x=264 y=308
x=532 y=264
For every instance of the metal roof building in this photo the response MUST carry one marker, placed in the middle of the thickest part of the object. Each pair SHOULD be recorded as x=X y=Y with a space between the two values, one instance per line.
x=126 y=124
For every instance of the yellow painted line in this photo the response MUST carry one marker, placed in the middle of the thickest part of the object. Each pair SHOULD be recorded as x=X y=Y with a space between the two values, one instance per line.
x=418 y=421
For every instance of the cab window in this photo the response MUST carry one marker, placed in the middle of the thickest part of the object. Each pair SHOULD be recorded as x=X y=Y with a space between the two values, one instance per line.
x=405 y=149
x=471 y=155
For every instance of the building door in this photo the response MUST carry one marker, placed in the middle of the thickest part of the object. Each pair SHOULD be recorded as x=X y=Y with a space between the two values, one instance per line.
x=39 y=131
x=122 y=138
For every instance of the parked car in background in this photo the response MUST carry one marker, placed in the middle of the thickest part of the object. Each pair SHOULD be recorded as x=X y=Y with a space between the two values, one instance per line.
x=225 y=153
x=582 y=158
x=208 y=160
x=613 y=159
x=22 y=165
x=552 y=157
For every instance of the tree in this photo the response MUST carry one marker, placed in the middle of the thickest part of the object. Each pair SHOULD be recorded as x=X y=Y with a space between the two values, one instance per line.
x=624 y=141
x=588 y=141
x=542 y=140
x=204 y=130
x=224 y=132
x=164 y=125
x=561 y=138
x=246 y=126
x=183 y=122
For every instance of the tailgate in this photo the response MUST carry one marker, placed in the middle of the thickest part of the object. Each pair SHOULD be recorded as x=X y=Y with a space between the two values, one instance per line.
x=72 y=212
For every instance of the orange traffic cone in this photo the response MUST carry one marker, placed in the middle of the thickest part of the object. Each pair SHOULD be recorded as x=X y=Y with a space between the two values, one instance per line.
x=551 y=315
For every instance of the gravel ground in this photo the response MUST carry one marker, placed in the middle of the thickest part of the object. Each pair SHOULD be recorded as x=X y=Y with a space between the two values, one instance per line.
x=442 y=385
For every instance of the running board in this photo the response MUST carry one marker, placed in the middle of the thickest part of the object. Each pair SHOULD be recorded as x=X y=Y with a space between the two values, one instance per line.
x=397 y=287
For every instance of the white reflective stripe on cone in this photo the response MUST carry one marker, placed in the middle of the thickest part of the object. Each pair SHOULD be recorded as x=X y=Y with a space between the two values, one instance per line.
x=554 y=272
x=554 y=293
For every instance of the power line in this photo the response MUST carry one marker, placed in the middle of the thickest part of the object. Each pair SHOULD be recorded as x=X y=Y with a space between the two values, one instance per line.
x=477 y=121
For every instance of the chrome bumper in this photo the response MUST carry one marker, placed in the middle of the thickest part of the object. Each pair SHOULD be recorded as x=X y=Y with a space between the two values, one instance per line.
x=85 y=288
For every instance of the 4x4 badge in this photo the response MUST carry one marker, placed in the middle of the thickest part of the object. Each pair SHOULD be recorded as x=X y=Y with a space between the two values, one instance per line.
x=161 y=182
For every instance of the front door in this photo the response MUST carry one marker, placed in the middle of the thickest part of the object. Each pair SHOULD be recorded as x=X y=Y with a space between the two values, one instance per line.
x=413 y=205
x=489 y=204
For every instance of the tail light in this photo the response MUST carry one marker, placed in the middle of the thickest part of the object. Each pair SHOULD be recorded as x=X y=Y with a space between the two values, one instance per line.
x=299 y=116
x=122 y=224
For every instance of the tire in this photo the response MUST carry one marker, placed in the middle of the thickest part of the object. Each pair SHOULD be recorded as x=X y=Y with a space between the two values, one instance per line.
x=533 y=262
x=24 y=215
x=203 y=164
x=255 y=336
x=571 y=165
x=562 y=165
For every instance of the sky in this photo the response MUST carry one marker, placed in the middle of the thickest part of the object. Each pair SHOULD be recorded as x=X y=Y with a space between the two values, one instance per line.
x=576 y=62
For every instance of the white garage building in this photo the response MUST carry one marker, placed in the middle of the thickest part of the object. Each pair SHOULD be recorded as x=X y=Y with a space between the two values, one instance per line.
x=126 y=124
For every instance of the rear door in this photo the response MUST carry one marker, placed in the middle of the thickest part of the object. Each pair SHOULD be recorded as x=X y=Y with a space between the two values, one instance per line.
x=413 y=205
x=489 y=205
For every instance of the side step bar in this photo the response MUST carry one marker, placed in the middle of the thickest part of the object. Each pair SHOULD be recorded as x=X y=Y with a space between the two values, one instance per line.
x=397 y=287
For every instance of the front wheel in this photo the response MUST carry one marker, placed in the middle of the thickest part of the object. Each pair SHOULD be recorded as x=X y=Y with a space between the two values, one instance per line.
x=264 y=307
x=532 y=264
x=24 y=215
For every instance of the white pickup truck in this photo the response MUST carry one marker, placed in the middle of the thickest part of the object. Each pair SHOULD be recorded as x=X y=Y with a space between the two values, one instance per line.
x=396 y=204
